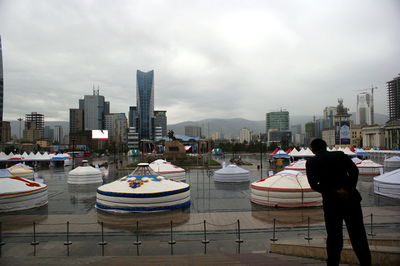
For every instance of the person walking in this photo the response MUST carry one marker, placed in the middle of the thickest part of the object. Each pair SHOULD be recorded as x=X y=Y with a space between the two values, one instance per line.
x=335 y=176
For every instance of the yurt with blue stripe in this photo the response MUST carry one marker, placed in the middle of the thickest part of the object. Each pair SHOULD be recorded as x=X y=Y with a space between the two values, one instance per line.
x=142 y=191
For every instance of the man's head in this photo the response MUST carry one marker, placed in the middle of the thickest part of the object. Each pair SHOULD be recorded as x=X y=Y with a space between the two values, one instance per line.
x=318 y=145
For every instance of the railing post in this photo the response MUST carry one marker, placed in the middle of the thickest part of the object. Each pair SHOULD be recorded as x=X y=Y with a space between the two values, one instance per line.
x=67 y=243
x=171 y=242
x=137 y=243
x=308 y=230
x=238 y=240
x=273 y=239
x=205 y=240
x=34 y=243
x=102 y=243
x=1 y=238
x=372 y=226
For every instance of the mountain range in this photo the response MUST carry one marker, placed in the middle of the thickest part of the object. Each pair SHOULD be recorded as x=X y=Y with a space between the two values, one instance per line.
x=228 y=127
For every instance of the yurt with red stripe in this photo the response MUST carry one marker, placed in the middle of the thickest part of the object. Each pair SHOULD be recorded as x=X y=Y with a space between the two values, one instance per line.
x=287 y=188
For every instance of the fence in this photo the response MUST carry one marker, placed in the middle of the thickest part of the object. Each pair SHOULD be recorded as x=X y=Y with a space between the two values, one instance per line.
x=234 y=228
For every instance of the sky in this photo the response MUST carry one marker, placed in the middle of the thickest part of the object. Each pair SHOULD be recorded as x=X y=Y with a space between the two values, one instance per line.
x=211 y=59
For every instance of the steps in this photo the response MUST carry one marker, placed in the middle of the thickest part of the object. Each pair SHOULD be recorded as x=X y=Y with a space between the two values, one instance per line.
x=384 y=251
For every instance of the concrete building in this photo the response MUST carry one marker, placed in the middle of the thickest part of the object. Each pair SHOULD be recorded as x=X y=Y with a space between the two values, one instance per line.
x=145 y=104
x=58 y=134
x=117 y=126
x=94 y=109
x=393 y=92
x=1 y=90
x=329 y=136
x=356 y=135
x=193 y=131
x=6 y=131
x=365 y=109
x=215 y=135
x=76 y=121
x=48 y=133
x=328 y=115
x=373 y=136
x=133 y=138
x=34 y=126
x=245 y=135
x=160 y=120
x=277 y=120
x=133 y=116
x=392 y=134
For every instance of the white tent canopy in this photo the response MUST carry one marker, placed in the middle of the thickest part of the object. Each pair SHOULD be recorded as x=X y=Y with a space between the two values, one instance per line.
x=232 y=173
x=388 y=184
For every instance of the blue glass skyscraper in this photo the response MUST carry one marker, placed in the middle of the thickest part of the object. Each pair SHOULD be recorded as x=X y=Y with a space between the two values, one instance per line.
x=145 y=103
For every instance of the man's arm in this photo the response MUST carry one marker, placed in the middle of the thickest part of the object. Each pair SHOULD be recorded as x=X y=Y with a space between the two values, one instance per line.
x=352 y=171
x=312 y=177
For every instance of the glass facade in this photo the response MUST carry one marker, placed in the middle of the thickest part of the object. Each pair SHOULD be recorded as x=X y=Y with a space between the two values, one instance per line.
x=145 y=103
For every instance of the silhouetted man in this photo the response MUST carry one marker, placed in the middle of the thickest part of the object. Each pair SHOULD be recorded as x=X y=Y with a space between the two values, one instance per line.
x=335 y=176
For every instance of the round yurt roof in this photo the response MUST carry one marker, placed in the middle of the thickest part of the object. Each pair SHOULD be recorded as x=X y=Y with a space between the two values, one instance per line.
x=161 y=166
x=392 y=177
x=20 y=168
x=287 y=180
x=231 y=169
x=143 y=182
x=393 y=159
x=368 y=163
x=356 y=160
x=84 y=171
x=297 y=165
x=15 y=185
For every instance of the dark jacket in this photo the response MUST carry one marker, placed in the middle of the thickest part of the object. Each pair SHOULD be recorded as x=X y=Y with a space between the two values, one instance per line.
x=328 y=172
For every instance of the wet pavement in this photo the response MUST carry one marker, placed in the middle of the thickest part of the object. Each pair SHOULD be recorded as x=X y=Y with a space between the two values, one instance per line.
x=218 y=208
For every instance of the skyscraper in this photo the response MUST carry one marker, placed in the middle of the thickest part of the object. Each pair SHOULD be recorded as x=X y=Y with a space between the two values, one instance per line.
x=393 y=88
x=94 y=109
x=160 y=120
x=34 y=127
x=364 y=115
x=145 y=103
x=277 y=120
x=1 y=89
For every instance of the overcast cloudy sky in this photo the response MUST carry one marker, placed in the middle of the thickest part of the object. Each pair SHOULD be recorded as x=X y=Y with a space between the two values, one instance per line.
x=212 y=59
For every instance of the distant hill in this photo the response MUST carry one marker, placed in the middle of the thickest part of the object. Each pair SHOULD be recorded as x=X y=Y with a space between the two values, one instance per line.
x=230 y=127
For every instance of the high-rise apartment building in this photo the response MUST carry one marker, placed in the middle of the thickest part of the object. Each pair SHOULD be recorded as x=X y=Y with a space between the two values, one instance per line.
x=58 y=134
x=277 y=121
x=145 y=103
x=133 y=116
x=117 y=126
x=365 y=109
x=193 y=131
x=393 y=92
x=329 y=114
x=76 y=121
x=160 y=120
x=244 y=135
x=34 y=127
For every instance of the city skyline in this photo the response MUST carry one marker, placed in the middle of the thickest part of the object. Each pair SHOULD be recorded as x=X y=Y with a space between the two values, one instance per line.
x=213 y=60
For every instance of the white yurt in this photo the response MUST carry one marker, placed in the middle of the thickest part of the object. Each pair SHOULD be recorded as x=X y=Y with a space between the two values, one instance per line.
x=18 y=193
x=392 y=162
x=168 y=170
x=85 y=174
x=287 y=188
x=22 y=170
x=388 y=184
x=368 y=167
x=299 y=165
x=356 y=160
x=142 y=191
x=232 y=173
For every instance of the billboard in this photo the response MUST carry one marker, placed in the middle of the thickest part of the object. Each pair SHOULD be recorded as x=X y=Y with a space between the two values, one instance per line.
x=342 y=133
x=99 y=134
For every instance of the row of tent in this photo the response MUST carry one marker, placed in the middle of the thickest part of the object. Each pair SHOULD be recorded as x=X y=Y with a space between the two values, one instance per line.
x=34 y=156
x=306 y=152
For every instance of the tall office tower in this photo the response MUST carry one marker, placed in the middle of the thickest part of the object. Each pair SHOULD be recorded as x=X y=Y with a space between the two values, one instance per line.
x=48 y=133
x=58 y=134
x=245 y=135
x=145 y=103
x=94 y=108
x=365 y=110
x=193 y=131
x=329 y=113
x=76 y=121
x=34 y=127
x=160 y=120
x=117 y=126
x=133 y=116
x=277 y=121
x=393 y=88
x=1 y=89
